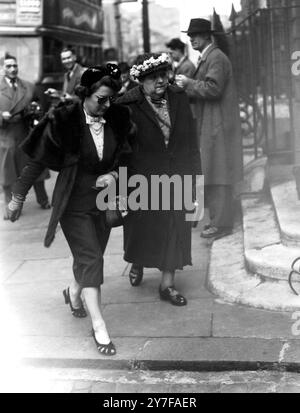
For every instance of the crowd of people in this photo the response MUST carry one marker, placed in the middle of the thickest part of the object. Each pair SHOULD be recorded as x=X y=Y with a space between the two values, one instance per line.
x=162 y=116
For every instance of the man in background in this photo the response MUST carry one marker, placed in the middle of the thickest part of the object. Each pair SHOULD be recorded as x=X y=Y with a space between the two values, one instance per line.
x=212 y=89
x=127 y=82
x=73 y=74
x=183 y=65
x=16 y=95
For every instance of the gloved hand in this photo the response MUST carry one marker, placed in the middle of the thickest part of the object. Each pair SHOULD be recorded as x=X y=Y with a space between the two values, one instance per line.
x=15 y=207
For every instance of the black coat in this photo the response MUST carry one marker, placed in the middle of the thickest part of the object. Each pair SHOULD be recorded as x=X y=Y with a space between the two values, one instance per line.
x=55 y=143
x=146 y=232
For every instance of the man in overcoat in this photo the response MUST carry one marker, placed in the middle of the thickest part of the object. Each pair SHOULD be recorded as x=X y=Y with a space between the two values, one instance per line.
x=15 y=97
x=212 y=90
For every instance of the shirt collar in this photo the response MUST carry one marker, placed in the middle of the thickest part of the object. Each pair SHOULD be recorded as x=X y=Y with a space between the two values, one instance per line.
x=8 y=81
x=90 y=120
x=205 y=50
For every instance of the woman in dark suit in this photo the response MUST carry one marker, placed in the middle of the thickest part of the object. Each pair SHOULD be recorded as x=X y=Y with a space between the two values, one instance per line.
x=86 y=142
x=165 y=145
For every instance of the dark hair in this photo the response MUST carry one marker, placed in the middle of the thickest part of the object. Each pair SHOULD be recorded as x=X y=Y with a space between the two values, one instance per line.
x=87 y=91
x=69 y=49
x=124 y=67
x=176 y=44
x=8 y=56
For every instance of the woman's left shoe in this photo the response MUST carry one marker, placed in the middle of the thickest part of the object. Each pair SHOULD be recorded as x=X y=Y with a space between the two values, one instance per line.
x=76 y=312
x=105 y=349
x=173 y=296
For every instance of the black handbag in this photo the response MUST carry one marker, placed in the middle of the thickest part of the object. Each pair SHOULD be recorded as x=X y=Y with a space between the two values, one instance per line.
x=116 y=212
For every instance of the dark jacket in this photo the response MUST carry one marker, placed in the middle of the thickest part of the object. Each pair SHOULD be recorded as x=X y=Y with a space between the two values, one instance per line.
x=216 y=109
x=55 y=143
x=146 y=231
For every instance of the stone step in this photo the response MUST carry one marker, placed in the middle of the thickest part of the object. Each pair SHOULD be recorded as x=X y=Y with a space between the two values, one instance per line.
x=286 y=203
x=229 y=279
x=264 y=253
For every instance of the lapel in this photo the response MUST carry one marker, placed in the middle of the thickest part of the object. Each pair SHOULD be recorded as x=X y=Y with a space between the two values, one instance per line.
x=73 y=80
x=181 y=63
x=204 y=58
x=20 y=94
x=5 y=89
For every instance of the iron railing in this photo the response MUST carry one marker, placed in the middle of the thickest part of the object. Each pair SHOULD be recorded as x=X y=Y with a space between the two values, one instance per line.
x=262 y=46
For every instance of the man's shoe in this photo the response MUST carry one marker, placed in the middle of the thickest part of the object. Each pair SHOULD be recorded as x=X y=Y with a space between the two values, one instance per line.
x=216 y=233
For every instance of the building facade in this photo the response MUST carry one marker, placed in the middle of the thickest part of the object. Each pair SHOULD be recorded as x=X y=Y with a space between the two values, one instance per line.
x=37 y=30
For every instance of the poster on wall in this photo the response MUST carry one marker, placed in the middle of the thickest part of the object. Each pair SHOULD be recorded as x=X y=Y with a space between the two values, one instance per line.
x=7 y=13
x=29 y=12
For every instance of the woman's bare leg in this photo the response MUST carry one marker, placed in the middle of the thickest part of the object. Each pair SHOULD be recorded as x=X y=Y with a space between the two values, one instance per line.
x=92 y=297
x=168 y=279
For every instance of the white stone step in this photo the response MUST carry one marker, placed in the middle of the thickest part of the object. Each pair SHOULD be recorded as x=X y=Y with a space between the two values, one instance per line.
x=286 y=203
x=229 y=279
x=264 y=253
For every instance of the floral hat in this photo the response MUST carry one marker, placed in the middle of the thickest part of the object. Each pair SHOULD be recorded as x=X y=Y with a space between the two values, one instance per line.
x=151 y=63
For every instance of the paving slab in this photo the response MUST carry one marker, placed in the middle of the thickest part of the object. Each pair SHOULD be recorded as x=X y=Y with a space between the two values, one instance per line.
x=197 y=353
x=159 y=319
x=243 y=322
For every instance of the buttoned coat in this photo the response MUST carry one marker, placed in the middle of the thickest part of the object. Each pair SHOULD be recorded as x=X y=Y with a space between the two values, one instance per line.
x=14 y=131
x=216 y=108
x=146 y=232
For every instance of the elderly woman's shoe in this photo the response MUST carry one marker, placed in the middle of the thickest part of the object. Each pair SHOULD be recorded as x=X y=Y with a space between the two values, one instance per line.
x=105 y=349
x=76 y=312
x=136 y=275
x=173 y=296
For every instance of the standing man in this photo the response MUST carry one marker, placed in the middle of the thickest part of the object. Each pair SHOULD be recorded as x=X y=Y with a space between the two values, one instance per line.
x=183 y=65
x=15 y=98
x=127 y=82
x=73 y=74
x=213 y=91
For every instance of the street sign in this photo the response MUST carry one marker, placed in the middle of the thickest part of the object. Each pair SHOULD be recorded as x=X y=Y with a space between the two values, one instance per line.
x=29 y=12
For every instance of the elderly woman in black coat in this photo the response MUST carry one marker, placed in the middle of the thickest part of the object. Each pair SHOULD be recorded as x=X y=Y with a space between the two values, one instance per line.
x=86 y=142
x=165 y=144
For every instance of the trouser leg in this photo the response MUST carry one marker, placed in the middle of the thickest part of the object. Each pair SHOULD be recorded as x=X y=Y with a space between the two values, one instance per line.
x=87 y=237
x=7 y=194
x=40 y=193
x=221 y=206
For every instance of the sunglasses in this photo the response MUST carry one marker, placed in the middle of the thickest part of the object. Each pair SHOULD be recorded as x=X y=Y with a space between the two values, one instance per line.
x=102 y=101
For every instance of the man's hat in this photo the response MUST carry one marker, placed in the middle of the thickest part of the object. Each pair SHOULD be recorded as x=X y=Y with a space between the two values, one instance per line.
x=199 y=26
x=175 y=44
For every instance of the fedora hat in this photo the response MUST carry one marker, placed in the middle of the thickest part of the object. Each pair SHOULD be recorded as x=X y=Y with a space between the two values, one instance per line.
x=199 y=26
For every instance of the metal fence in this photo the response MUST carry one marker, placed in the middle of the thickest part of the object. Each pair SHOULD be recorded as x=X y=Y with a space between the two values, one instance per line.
x=262 y=46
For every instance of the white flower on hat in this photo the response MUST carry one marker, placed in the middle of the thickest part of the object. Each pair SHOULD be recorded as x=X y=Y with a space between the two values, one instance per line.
x=137 y=70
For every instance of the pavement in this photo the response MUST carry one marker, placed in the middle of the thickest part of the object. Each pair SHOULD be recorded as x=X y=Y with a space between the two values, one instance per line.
x=209 y=335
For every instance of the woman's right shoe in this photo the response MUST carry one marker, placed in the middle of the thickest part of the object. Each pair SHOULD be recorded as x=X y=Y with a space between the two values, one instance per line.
x=136 y=275
x=105 y=349
x=172 y=295
x=76 y=312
